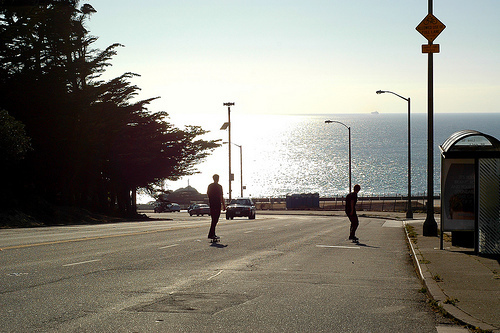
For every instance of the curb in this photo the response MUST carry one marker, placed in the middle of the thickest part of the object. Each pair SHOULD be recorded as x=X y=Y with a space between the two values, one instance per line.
x=436 y=293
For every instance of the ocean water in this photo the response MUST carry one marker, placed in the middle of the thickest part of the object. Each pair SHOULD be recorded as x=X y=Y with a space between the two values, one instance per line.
x=286 y=154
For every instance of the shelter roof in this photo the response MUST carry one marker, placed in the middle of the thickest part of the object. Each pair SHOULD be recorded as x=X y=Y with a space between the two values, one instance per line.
x=470 y=143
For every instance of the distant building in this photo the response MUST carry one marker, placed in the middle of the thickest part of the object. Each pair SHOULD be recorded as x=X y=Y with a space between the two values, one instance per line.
x=187 y=195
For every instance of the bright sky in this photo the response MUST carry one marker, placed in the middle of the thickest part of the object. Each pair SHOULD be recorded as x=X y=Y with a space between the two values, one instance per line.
x=300 y=57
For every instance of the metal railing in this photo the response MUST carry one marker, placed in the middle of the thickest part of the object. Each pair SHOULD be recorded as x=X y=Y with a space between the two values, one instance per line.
x=389 y=203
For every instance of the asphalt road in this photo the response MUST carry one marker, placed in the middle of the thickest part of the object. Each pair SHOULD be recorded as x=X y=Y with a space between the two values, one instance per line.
x=278 y=273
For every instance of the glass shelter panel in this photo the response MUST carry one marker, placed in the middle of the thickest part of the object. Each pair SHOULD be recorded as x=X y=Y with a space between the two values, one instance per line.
x=489 y=206
x=458 y=195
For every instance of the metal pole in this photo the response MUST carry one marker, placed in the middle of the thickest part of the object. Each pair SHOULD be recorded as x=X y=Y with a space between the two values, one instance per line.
x=350 y=164
x=430 y=225
x=241 y=170
x=350 y=167
x=409 y=212
x=229 y=145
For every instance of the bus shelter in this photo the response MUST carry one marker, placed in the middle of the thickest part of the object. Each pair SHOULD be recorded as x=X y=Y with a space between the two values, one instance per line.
x=470 y=190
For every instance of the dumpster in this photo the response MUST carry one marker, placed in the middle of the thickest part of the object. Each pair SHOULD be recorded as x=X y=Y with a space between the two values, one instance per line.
x=302 y=201
x=470 y=191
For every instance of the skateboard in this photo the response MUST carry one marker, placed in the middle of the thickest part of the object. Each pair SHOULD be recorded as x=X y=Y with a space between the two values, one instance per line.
x=215 y=240
x=355 y=240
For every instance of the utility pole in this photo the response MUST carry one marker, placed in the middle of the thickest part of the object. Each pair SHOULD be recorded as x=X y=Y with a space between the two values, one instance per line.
x=430 y=28
x=229 y=143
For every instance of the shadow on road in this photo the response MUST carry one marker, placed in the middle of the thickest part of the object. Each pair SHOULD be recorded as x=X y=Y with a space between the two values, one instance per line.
x=364 y=245
x=218 y=245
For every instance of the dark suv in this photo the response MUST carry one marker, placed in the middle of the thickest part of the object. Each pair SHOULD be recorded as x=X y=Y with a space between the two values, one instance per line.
x=240 y=207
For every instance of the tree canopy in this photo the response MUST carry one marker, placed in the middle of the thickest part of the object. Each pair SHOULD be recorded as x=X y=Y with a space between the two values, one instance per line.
x=80 y=140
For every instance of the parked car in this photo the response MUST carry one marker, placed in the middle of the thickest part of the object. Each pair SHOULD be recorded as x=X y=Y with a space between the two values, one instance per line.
x=158 y=206
x=199 y=209
x=240 y=207
x=167 y=207
x=173 y=207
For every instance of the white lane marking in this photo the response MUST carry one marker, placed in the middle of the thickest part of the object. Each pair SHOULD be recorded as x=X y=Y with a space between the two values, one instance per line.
x=166 y=247
x=16 y=274
x=81 y=262
x=339 y=246
x=220 y=272
x=247 y=232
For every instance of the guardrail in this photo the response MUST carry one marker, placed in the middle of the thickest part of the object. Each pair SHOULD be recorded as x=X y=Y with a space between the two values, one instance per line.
x=396 y=203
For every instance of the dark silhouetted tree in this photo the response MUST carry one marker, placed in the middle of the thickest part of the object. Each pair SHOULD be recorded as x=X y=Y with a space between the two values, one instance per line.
x=93 y=145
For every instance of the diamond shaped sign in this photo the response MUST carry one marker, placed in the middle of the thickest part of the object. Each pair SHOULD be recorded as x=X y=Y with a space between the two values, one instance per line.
x=430 y=27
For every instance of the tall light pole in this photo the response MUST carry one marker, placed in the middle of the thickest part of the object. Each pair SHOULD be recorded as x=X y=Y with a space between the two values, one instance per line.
x=241 y=167
x=228 y=127
x=349 y=129
x=409 y=212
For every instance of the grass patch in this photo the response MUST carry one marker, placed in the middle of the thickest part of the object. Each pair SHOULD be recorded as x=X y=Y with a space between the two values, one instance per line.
x=17 y=219
x=478 y=330
x=412 y=233
x=451 y=301
x=437 y=278
x=438 y=308
x=446 y=237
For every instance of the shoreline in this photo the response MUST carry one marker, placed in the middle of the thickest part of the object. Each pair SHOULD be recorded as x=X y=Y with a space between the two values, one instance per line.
x=376 y=204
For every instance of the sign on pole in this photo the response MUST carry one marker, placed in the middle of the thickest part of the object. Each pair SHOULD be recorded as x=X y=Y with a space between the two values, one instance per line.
x=430 y=27
x=430 y=48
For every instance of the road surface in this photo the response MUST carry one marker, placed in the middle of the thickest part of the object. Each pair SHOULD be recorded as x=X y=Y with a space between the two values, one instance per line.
x=277 y=273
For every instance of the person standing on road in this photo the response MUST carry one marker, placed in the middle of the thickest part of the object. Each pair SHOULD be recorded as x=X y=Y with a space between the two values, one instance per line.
x=215 y=201
x=350 y=210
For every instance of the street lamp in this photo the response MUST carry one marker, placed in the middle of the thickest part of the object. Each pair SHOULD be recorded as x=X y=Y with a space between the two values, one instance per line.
x=409 y=212
x=349 y=129
x=227 y=125
x=241 y=166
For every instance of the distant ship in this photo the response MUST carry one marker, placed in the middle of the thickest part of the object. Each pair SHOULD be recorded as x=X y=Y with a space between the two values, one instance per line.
x=374 y=112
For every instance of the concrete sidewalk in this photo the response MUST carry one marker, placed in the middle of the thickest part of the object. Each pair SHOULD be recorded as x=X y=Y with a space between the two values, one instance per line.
x=465 y=285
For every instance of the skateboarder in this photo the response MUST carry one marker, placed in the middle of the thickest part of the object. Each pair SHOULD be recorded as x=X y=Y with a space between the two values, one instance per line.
x=350 y=210
x=216 y=201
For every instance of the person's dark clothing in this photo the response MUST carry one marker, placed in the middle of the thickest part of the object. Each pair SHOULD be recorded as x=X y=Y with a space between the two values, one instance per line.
x=354 y=225
x=353 y=196
x=214 y=193
x=215 y=214
x=350 y=210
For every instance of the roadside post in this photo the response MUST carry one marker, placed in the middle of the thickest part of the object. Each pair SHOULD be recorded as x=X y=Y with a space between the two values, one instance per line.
x=227 y=125
x=430 y=28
